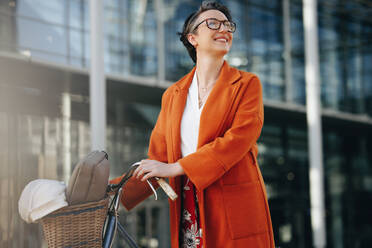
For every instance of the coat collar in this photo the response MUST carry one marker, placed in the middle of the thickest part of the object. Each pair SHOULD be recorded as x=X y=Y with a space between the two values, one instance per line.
x=228 y=75
x=213 y=115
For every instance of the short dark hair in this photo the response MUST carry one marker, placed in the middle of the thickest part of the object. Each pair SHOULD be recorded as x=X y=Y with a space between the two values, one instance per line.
x=189 y=23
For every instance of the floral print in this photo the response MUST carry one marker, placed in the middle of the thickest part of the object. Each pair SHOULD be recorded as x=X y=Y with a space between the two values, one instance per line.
x=191 y=237
x=191 y=232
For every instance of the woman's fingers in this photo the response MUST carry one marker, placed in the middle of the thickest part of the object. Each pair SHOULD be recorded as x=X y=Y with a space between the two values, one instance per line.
x=147 y=176
x=152 y=168
x=145 y=167
x=138 y=169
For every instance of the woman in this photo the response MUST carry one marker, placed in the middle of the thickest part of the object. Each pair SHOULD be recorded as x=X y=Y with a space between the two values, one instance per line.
x=204 y=141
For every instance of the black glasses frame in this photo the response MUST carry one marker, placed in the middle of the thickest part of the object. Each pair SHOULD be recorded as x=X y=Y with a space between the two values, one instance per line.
x=224 y=22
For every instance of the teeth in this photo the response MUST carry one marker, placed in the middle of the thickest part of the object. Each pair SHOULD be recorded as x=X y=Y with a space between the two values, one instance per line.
x=222 y=39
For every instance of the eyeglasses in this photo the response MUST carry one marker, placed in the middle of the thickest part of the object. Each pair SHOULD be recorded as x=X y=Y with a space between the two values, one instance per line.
x=214 y=24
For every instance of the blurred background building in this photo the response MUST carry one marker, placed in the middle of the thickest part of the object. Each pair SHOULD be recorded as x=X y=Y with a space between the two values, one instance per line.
x=44 y=105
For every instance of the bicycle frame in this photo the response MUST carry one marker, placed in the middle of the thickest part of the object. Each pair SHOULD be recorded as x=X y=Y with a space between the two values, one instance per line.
x=112 y=223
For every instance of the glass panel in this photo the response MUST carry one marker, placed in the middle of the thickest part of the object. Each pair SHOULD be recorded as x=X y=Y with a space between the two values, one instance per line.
x=117 y=45
x=49 y=11
x=348 y=177
x=343 y=42
x=266 y=47
x=50 y=39
x=79 y=14
x=130 y=38
x=76 y=45
x=143 y=31
x=283 y=163
x=177 y=60
x=367 y=79
x=47 y=19
x=79 y=46
x=297 y=53
x=240 y=51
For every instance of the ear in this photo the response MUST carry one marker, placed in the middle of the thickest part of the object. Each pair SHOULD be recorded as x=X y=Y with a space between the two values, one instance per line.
x=192 y=40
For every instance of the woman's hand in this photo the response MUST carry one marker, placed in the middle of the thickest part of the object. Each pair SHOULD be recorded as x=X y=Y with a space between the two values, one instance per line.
x=152 y=168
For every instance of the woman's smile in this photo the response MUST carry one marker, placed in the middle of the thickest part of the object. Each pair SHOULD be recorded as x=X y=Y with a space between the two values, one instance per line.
x=221 y=39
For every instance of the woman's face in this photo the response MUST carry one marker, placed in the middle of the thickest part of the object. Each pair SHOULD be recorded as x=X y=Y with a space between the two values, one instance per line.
x=206 y=40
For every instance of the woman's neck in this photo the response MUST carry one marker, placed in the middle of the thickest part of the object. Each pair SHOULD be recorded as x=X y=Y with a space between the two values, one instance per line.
x=208 y=70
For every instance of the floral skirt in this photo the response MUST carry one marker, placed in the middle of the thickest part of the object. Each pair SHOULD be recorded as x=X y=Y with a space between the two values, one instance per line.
x=191 y=231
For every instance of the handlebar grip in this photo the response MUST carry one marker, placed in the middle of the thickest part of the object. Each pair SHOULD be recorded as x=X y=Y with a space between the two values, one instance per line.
x=167 y=188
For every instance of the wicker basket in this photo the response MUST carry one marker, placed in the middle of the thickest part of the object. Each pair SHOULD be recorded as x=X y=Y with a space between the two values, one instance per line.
x=76 y=226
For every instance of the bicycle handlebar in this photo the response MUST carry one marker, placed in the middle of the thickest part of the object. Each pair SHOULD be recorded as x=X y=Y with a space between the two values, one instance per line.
x=162 y=183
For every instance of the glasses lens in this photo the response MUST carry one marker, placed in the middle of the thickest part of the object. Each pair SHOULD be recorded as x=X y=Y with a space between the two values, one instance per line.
x=213 y=24
x=230 y=26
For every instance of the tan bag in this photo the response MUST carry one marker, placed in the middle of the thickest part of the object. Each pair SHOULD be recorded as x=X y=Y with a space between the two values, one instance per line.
x=89 y=179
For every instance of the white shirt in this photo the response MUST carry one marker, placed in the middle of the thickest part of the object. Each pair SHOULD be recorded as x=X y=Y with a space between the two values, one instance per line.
x=191 y=120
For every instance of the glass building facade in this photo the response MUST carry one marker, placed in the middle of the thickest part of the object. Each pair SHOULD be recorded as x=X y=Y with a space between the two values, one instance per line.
x=44 y=105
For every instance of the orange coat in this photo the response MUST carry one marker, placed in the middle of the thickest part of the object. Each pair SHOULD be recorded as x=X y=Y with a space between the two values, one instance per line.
x=233 y=205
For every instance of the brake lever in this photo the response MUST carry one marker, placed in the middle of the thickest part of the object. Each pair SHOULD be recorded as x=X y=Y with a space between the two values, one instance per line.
x=162 y=183
x=153 y=189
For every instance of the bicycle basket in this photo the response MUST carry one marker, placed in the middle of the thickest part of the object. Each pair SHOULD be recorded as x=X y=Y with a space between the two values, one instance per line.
x=76 y=226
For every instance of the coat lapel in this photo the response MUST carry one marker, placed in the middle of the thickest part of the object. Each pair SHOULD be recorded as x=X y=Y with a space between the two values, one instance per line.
x=176 y=112
x=214 y=112
x=218 y=104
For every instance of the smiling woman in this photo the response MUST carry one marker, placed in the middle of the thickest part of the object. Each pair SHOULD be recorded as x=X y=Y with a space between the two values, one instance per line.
x=204 y=141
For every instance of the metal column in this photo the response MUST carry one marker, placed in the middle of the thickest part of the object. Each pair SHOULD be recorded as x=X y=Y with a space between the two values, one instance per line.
x=97 y=87
x=66 y=135
x=313 y=109
x=160 y=15
x=287 y=51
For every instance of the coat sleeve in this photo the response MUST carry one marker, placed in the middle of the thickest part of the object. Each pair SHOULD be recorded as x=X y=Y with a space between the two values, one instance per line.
x=212 y=160
x=135 y=191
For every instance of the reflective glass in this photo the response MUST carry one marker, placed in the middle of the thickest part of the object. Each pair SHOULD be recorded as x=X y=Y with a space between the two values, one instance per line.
x=348 y=181
x=177 y=60
x=50 y=39
x=143 y=38
x=79 y=14
x=266 y=48
x=49 y=11
x=240 y=51
x=76 y=48
x=130 y=38
x=367 y=79
x=296 y=53
x=284 y=165
x=344 y=43
x=116 y=41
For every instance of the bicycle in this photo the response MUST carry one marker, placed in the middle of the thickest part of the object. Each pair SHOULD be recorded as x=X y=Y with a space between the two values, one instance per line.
x=112 y=224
